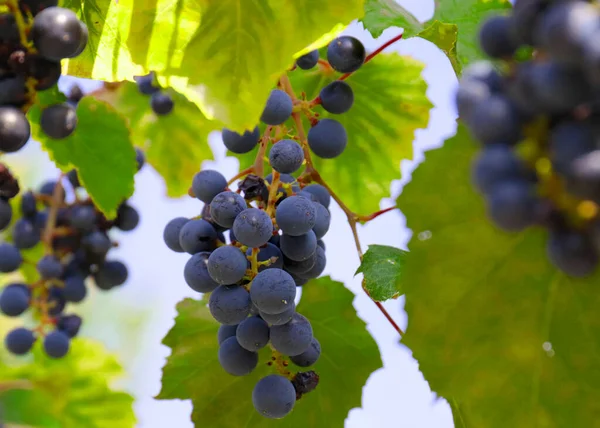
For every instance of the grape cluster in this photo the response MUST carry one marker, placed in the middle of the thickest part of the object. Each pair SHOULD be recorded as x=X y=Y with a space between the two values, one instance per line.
x=275 y=228
x=76 y=239
x=34 y=38
x=160 y=100
x=538 y=125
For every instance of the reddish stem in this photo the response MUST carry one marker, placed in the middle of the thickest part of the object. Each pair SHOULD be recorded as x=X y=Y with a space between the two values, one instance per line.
x=375 y=214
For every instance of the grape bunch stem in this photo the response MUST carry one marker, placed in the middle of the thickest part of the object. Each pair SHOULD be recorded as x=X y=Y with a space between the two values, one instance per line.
x=311 y=174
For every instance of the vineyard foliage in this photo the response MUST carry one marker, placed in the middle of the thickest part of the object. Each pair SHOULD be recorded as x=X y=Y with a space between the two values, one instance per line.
x=497 y=331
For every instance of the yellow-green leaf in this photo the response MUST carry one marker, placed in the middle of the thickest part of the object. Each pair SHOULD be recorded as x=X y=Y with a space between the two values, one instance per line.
x=382 y=14
x=99 y=148
x=72 y=392
x=496 y=329
x=193 y=371
x=175 y=144
x=390 y=104
x=129 y=37
x=241 y=49
x=444 y=36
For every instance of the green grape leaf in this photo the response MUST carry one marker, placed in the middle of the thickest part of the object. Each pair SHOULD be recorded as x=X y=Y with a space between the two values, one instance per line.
x=382 y=268
x=235 y=59
x=468 y=16
x=193 y=371
x=72 y=392
x=390 y=104
x=496 y=329
x=99 y=148
x=129 y=37
x=444 y=36
x=382 y=14
x=453 y=28
x=175 y=144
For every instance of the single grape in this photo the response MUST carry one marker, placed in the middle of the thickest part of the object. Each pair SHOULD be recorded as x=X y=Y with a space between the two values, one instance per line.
x=5 y=214
x=207 y=184
x=243 y=143
x=225 y=207
x=14 y=299
x=296 y=215
x=14 y=129
x=496 y=164
x=320 y=192
x=75 y=94
x=318 y=266
x=227 y=265
x=73 y=178
x=273 y=291
x=512 y=205
x=49 y=267
x=559 y=88
x=252 y=334
x=299 y=281
x=19 y=341
x=171 y=234
x=84 y=217
x=496 y=120
x=337 y=97
x=57 y=33
x=28 y=205
x=45 y=72
x=346 y=54
x=299 y=248
x=279 y=319
x=161 y=103
x=274 y=396
x=57 y=344
x=569 y=140
x=13 y=91
x=47 y=188
x=225 y=332
x=271 y=253
x=278 y=108
x=197 y=236
x=10 y=258
x=111 y=274
x=127 y=218
x=292 y=338
x=308 y=61
x=236 y=360
x=25 y=235
x=322 y=220
x=564 y=29
x=58 y=121
x=97 y=243
x=572 y=253
x=308 y=357
x=469 y=94
x=229 y=304
x=495 y=37
x=253 y=227
x=327 y=139
x=196 y=273
x=140 y=158
x=303 y=266
x=69 y=325
x=146 y=83
x=75 y=290
x=286 y=156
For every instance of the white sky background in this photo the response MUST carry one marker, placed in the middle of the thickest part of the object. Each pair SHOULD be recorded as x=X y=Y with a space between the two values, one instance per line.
x=395 y=395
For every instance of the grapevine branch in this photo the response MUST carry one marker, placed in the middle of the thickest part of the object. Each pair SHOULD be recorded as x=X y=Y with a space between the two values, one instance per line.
x=311 y=174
